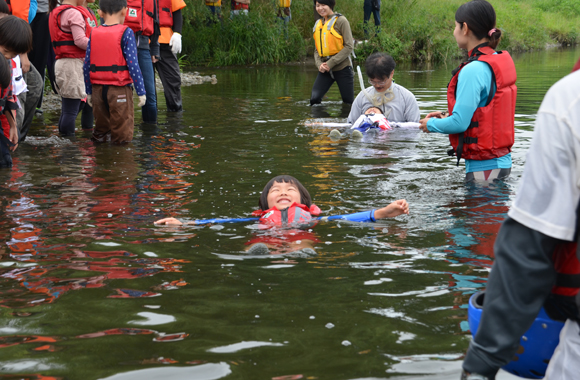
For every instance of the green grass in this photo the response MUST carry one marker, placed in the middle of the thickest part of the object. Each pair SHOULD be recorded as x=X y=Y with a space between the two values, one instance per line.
x=412 y=30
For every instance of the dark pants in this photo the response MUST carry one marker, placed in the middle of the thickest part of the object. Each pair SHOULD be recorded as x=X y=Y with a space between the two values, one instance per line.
x=216 y=14
x=28 y=101
x=168 y=69
x=5 y=144
x=345 y=80
x=368 y=10
x=149 y=110
x=114 y=115
x=40 y=45
x=69 y=113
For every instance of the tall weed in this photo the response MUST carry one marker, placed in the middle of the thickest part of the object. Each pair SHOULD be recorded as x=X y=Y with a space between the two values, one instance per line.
x=411 y=30
x=251 y=39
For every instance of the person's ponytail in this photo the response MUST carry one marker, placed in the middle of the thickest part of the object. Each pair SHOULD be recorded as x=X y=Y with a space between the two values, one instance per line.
x=479 y=16
x=494 y=38
x=52 y=4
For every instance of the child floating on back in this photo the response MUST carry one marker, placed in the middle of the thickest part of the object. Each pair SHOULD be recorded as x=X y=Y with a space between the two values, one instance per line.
x=372 y=119
x=110 y=70
x=286 y=202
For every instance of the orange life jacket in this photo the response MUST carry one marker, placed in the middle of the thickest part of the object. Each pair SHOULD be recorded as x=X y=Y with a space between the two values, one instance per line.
x=296 y=214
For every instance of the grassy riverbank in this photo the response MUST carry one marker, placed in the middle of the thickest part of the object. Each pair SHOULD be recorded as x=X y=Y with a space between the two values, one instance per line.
x=413 y=30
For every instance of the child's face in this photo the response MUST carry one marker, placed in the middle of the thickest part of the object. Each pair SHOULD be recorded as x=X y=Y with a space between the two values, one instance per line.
x=7 y=53
x=282 y=195
x=374 y=110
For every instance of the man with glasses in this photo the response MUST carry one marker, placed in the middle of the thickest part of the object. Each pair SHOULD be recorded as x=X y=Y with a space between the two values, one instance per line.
x=396 y=102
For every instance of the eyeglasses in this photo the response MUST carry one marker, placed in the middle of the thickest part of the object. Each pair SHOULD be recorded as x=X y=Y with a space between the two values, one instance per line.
x=373 y=83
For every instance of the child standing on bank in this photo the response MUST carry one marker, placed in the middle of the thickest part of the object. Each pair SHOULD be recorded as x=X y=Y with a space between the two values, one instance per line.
x=70 y=26
x=110 y=69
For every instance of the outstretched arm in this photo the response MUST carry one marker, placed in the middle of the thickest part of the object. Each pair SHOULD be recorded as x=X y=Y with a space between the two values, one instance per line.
x=168 y=221
x=396 y=208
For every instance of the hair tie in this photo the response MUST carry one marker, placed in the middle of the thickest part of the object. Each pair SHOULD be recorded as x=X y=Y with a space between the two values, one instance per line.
x=493 y=30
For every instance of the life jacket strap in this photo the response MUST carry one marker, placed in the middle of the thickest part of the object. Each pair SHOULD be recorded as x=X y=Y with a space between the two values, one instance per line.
x=113 y=68
x=63 y=43
x=568 y=280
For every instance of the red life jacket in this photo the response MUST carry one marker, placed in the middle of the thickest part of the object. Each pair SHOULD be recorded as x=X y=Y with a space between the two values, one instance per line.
x=165 y=14
x=108 y=65
x=576 y=66
x=567 y=268
x=293 y=215
x=237 y=6
x=491 y=132
x=3 y=119
x=63 y=42
x=564 y=300
x=141 y=16
x=4 y=97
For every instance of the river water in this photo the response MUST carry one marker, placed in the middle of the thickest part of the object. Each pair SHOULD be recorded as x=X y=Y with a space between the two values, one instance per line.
x=91 y=289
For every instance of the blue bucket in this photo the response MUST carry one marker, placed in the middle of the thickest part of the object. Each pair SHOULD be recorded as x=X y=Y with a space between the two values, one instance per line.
x=536 y=346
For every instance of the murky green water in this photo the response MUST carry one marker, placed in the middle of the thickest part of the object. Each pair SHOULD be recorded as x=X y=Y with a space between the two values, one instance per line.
x=90 y=289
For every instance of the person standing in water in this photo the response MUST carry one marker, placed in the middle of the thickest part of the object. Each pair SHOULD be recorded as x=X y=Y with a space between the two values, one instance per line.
x=481 y=97
x=536 y=250
x=334 y=45
x=395 y=102
x=170 y=25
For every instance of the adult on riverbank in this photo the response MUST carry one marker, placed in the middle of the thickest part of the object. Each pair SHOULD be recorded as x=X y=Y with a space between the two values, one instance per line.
x=372 y=7
x=395 y=102
x=240 y=7
x=215 y=7
x=334 y=45
x=481 y=97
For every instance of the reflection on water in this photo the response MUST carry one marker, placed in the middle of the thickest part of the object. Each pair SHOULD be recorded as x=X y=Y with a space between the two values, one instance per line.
x=90 y=289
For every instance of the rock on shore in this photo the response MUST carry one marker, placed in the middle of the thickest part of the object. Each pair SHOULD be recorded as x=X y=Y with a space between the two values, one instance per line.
x=51 y=102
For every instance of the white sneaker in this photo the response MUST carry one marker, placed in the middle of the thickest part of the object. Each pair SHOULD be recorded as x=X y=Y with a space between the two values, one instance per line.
x=335 y=134
x=356 y=134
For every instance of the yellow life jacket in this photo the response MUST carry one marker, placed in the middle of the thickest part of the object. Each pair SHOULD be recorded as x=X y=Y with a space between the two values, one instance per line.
x=213 y=3
x=284 y=3
x=328 y=41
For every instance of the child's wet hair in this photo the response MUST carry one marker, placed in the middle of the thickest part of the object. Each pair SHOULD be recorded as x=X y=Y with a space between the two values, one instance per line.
x=304 y=195
x=15 y=35
x=379 y=66
x=4 y=7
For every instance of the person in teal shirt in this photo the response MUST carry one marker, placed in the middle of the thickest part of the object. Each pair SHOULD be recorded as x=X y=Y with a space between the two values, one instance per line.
x=473 y=88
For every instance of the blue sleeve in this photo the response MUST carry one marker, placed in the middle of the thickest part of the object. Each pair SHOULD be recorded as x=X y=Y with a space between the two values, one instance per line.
x=472 y=92
x=87 y=69
x=129 y=47
x=365 y=216
x=32 y=10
